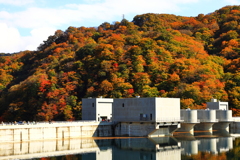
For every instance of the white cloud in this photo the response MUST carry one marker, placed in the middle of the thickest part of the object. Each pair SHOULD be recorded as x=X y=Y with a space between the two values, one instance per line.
x=16 y=2
x=100 y=11
x=233 y=2
x=42 y=21
x=40 y=17
x=11 y=40
x=185 y=1
x=108 y=9
x=37 y=37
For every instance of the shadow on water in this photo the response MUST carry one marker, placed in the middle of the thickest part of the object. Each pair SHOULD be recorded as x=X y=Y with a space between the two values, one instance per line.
x=181 y=146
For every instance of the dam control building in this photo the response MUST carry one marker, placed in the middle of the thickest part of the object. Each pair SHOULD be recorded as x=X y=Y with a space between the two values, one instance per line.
x=150 y=117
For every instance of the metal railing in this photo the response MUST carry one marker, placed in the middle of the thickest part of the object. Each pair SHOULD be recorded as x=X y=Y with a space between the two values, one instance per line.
x=189 y=120
x=171 y=119
x=44 y=122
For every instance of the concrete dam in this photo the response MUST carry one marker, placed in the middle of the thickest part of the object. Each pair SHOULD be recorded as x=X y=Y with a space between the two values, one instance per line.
x=56 y=130
x=136 y=117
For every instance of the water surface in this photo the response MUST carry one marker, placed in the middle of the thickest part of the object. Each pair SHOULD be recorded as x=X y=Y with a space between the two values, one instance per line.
x=182 y=146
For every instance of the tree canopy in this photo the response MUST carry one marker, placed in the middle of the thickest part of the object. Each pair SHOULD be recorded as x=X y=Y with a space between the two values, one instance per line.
x=155 y=55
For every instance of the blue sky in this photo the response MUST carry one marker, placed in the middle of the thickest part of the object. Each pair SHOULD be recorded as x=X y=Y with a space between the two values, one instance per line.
x=25 y=24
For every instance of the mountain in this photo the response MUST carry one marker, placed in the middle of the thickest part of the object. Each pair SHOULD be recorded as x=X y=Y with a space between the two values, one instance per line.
x=155 y=55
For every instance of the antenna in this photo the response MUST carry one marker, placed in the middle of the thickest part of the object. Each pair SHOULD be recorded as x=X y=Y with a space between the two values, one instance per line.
x=123 y=16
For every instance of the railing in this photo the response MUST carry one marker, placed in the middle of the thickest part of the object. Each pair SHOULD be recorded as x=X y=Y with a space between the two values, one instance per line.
x=189 y=120
x=173 y=119
x=44 y=122
x=61 y=122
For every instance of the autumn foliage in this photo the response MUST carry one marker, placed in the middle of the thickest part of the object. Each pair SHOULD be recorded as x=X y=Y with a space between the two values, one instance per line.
x=155 y=55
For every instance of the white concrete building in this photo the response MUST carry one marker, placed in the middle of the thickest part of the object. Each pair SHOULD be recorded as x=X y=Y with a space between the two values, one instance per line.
x=154 y=109
x=135 y=116
x=190 y=119
x=217 y=105
x=152 y=117
x=99 y=109
x=223 y=114
x=216 y=116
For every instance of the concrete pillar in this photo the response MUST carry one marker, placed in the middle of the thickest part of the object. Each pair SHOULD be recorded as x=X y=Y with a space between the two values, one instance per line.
x=224 y=115
x=189 y=116
x=204 y=126
x=221 y=126
x=187 y=127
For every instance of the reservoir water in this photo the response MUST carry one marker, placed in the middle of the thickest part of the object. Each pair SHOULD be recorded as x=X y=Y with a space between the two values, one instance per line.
x=182 y=146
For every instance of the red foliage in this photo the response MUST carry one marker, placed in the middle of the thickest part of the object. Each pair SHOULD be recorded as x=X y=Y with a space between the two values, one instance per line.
x=130 y=91
x=44 y=83
x=115 y=65
x=236 y=112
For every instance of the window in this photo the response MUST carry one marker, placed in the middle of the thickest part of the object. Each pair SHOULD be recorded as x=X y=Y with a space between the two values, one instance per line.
x=123 y=105
x=151 y=116
x=92 y=104
x=143 y=117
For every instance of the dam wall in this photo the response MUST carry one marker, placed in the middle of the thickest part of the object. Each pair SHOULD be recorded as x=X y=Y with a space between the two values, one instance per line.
x=235 y=125
x=66 y=130
x=47 y=131
x=145 y=129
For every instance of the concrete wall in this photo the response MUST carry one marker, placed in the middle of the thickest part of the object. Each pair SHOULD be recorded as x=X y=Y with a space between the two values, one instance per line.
x=168 y=109
x=218 y=105
x=96 y=108
x=189 y=116
x=134 y=129
x=145 y=129
x=146 y=109
x=46 y=131
x=224 y=115
x=207 y=119
x=134 y=109
x=89 y=111
x=235 y=127
x=220 y=119
x=207 y=115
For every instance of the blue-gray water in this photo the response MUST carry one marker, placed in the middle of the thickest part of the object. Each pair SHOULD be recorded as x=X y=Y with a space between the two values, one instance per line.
x=203 y=145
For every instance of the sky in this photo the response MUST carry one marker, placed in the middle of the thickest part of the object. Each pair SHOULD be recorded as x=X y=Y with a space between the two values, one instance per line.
x=25 y=24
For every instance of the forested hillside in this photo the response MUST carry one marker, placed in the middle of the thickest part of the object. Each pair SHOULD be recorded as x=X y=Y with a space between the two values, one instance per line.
x=155 y=55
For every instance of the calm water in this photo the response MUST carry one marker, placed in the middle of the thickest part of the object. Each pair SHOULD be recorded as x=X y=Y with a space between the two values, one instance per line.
x=202 y=145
